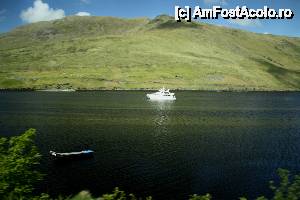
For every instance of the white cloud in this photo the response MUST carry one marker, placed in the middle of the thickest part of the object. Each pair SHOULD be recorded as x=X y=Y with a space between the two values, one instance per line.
x=266 y=33
x=216 y=2
x=83 y=14
x=41 y=12
x=246 y=22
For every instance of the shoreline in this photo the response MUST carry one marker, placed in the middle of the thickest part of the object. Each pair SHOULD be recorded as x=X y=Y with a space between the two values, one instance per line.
x=140 y=89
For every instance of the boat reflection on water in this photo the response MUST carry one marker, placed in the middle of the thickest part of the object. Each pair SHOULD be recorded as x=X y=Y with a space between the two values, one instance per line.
x=162 y=116
x=162 y=105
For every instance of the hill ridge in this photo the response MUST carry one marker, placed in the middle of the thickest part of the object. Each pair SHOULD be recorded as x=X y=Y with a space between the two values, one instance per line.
x=116 y=53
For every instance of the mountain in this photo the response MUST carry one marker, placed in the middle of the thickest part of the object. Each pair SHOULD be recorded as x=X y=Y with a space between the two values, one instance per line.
x=113 y=53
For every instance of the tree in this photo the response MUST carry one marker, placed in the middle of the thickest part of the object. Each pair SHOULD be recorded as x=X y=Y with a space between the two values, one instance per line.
x=18 y=158
x=287 y=189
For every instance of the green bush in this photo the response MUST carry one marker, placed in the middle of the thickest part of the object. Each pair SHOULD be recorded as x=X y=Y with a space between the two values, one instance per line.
x=197 y=197
x=287 y=189
x=18 y=157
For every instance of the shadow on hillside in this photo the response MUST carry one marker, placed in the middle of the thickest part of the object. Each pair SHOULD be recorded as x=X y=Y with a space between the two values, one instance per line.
x=174 y=25
x=168 y=22
x=288 y=77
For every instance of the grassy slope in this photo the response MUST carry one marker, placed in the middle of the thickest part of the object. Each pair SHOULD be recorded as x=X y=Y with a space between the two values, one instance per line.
x=107 y=53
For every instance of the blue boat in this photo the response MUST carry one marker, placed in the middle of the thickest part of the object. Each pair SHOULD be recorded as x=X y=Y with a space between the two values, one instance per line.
x=80 y=154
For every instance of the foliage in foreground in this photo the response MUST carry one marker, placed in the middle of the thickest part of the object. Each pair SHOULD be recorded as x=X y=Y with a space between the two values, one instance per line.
x=19 y=156
x=116 y=195
x=121 y=195
x=287 y=189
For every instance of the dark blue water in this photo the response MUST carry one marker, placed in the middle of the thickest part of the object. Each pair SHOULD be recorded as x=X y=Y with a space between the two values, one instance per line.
x=225 y=144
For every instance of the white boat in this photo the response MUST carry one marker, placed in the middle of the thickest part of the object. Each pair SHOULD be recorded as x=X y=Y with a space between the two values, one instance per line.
x=161 y=95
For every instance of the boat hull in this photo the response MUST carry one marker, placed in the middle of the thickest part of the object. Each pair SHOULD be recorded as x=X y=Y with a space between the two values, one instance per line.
x=73 y=155
x=154 y=97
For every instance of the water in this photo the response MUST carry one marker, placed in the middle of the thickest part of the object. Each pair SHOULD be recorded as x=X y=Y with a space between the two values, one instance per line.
x=226 y=144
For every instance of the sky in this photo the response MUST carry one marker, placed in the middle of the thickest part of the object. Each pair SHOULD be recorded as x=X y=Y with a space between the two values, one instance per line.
x=14 y=13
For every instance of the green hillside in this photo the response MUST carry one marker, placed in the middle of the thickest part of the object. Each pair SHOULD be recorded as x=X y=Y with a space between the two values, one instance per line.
x=112 y=53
